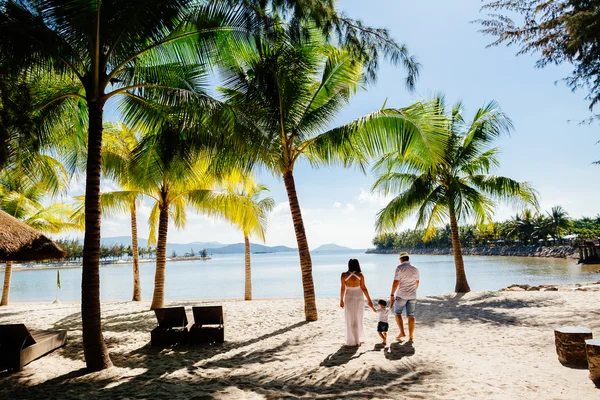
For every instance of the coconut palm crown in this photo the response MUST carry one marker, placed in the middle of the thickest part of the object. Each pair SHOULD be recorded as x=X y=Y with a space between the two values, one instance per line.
x=290 y=89
x=459 y=189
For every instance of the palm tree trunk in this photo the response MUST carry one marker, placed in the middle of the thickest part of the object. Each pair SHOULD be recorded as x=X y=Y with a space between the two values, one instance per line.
x=137 y=289
x=158 y=299
x=462 y=286
x=310 y=304
x=6 y=287
x=248 y=291
x=94 y=348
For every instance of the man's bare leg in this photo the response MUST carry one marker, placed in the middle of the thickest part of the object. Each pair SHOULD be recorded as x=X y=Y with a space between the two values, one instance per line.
x=411 y=328
x=400 y=326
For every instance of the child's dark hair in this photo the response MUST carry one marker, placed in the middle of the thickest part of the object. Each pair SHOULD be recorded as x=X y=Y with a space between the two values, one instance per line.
x=382 y=302
x=353 y=265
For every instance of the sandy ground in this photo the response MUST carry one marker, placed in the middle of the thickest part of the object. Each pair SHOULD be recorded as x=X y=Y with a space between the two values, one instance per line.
x=483 y=345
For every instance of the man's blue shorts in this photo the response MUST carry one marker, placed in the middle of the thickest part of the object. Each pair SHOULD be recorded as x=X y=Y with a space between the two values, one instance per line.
x=400 y=304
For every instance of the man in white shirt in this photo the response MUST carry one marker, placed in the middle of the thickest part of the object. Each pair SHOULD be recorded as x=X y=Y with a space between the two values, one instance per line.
x=404 y=294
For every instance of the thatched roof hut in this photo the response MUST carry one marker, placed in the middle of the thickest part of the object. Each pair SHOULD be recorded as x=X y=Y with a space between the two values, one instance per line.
x=20 y=242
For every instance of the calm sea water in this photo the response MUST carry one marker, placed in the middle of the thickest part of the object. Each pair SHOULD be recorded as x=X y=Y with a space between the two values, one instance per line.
x=278 y=275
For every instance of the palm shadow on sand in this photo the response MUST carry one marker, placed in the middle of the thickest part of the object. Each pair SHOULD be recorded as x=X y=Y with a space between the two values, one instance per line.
x=342 y=356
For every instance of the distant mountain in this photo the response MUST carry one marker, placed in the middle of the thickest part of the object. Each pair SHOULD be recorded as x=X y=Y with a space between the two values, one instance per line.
x=254 y=248
x=332 y=247
x=210 y=247
x=178 y=248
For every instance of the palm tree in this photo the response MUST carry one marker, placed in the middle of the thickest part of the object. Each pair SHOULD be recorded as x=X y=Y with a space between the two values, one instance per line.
x=22 y=198
x=174 y=176
x=559 y=222
x=252 y=220
x=459 y=188
x=132 y=48
x=523 y=226
x=290 y=89
x=541 y=229
x=127 y=48
x=117 y=153
x=119 y=142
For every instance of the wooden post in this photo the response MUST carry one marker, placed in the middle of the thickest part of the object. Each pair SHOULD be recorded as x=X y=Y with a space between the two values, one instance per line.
x=592 y=350
x=570 y=344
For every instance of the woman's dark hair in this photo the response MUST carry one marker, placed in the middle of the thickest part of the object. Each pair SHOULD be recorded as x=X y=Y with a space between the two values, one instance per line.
x=353 y=265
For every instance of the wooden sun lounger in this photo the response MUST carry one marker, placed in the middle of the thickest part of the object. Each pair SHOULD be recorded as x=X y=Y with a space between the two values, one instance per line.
x=208 y=325
x=20 y=346
x=173 y=327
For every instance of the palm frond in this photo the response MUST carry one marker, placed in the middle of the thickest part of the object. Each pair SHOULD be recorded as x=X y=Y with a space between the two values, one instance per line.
x=506 y=190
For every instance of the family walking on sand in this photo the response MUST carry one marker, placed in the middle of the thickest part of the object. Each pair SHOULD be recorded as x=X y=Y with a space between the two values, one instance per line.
x=403 y=297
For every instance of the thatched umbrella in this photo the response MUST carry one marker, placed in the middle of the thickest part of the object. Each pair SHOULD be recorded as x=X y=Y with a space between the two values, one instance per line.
x=20 y=242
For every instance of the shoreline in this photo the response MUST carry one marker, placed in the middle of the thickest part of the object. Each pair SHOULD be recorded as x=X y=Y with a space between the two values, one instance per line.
x=564 y=252
x=78 y=264
x=587 y=286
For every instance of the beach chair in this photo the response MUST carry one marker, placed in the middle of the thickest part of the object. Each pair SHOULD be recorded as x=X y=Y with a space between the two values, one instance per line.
x=208 y=325
x=19 y=346
x=173 y=327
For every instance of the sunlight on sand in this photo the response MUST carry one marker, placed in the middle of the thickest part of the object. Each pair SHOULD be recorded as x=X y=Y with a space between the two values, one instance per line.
x=479 y=345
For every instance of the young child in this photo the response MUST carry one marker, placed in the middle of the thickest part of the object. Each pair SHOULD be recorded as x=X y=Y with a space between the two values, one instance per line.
x=382 y=325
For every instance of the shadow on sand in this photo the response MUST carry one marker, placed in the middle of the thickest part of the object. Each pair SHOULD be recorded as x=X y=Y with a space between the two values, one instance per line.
x=489 y=307
x=398 y=351
x=340 y=357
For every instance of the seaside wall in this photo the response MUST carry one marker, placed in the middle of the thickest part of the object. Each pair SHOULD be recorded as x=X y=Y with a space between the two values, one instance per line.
x=514 y=251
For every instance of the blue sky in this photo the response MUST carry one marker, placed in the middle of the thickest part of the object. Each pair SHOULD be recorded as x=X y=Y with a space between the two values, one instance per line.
x=555 y=155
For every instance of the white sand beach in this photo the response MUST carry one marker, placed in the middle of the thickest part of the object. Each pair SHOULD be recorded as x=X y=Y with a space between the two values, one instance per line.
x=484 y=345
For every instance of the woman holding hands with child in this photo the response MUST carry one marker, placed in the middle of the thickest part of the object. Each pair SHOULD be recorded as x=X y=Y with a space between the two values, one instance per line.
x=352 y=300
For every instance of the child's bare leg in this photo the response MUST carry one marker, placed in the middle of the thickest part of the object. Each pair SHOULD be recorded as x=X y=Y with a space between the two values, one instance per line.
x=382 y=336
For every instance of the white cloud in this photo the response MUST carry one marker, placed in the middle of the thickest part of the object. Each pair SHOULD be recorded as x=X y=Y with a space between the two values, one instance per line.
x=337 y=204
x=282 y=208
x=373 y=199
x=349 y=208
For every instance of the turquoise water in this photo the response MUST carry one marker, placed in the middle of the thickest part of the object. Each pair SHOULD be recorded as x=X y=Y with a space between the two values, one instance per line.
x=278 y=275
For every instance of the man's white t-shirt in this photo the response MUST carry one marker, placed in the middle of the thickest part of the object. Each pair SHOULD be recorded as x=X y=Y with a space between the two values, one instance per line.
x=408 y=276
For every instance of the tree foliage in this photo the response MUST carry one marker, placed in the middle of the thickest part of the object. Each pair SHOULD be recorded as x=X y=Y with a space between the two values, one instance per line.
x=558 y=30
x=525 y=229
x=462 y=185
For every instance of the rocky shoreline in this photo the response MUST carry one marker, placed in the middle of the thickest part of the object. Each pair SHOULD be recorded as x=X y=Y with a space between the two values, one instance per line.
x=568 y=287
x=506 y=251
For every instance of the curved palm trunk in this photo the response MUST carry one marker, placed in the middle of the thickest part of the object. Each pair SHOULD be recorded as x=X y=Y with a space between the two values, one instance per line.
x=6 y=287
x=248 y=291
x=310 y=304
x=94 y=348
x=462 y=286
x=137 y=289
x=158 y=299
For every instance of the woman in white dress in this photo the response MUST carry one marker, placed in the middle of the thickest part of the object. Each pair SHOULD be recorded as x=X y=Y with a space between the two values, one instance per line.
x=352 y=300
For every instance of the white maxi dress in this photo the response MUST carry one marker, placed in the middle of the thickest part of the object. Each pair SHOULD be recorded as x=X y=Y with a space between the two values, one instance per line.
x=354 y=307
